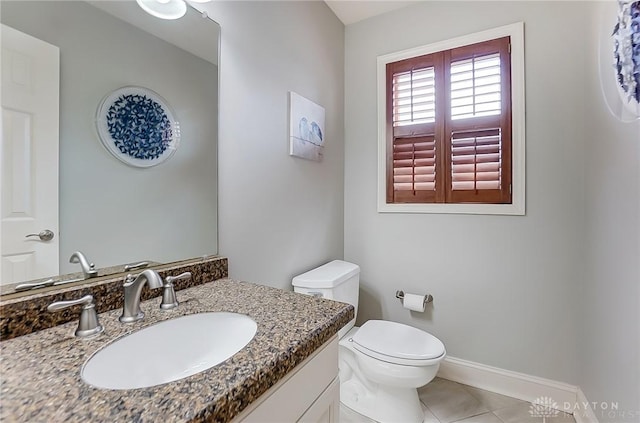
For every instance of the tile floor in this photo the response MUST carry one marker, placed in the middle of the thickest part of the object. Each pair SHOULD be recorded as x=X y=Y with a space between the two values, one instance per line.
x=444 y=401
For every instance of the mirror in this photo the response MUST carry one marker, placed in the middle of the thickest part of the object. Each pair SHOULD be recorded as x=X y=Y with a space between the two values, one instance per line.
x=113 y=212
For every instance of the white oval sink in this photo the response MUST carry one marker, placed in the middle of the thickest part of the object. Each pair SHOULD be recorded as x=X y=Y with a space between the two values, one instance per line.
x=169 y=351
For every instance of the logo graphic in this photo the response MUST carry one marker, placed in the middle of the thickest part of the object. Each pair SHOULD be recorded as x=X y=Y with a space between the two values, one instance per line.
x=544 y=407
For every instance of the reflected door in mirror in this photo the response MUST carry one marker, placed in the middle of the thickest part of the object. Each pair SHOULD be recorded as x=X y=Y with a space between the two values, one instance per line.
x=29 y=203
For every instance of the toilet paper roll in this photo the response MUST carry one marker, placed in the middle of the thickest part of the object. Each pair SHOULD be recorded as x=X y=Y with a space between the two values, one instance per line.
x=414 y=302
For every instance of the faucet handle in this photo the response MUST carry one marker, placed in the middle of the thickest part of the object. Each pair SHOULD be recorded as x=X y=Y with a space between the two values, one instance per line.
x=88 y=324
x=169 y=300
x=134 y=266
x=181 y=276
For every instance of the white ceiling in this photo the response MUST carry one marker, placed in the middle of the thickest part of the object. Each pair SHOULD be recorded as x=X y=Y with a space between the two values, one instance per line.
x=351 y=11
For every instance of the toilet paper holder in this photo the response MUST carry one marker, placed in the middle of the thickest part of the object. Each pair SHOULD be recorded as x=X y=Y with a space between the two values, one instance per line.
x=427 y=298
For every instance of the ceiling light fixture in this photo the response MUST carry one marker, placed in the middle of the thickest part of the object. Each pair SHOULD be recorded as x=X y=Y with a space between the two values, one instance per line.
x=164 y=9
x=167 y=9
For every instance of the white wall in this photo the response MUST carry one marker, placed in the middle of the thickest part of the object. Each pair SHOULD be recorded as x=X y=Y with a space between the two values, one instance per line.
x=112 y=212
x=610 y=341
x=279 y=215
x=505 y=287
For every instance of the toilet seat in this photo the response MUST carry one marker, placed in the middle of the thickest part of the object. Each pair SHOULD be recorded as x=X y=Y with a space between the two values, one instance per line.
x=397 y=343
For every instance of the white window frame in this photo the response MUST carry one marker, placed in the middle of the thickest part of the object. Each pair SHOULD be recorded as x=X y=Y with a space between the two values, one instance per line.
x=517 y=206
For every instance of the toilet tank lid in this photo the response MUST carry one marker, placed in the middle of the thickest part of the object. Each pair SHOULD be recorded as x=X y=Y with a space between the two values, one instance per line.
x=328 y=275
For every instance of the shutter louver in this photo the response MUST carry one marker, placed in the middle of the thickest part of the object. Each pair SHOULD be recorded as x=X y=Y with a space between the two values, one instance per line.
x=414 y=164
x=414 y=97
x=476 y=160
x=476 y=87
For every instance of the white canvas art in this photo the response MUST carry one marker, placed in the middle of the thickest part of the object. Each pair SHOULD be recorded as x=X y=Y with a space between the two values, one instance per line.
x=306 y=128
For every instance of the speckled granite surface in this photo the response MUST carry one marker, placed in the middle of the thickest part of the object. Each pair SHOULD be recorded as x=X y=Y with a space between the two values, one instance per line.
x=28 y=313
x=40 y=372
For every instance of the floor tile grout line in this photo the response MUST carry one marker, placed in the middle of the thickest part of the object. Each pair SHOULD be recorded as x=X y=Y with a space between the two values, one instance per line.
x=430 y=411
x=479 y=399
x=474 y=393
x=474 y=415
x=498 y=417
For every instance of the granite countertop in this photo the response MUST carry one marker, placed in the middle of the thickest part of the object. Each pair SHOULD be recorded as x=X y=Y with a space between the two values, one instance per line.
x=40 y=372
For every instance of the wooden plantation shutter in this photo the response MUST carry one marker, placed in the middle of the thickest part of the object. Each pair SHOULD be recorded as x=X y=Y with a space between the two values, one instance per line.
x=449 y=126
x=475 y=160
x=411 y=121
x=414 y=98
x=475 y=86
x=414 y=167
x=478 y=123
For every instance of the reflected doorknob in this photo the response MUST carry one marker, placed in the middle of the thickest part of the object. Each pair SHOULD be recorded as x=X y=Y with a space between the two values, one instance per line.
x=45 y=235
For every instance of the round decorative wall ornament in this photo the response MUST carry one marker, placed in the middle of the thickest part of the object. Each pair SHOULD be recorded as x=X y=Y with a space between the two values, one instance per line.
x=137 y=126
x=626 y=55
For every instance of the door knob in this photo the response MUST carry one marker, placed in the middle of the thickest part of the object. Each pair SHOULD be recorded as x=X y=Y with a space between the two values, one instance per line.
x=45 y=235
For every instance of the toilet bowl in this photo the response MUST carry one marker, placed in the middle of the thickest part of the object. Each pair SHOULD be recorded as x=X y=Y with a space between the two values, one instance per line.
x=381 y=363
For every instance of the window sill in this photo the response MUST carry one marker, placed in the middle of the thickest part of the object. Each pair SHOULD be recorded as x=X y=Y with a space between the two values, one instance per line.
x=488 y=209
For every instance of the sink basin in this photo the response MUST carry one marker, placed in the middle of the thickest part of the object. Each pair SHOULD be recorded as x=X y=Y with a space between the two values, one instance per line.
x=169 y=351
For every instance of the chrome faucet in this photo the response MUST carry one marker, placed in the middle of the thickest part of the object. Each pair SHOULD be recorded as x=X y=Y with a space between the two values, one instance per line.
x=89 y=269
x=132 y=289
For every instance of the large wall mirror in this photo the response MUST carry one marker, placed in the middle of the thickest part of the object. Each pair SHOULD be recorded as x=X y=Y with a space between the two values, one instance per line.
x=113 y=212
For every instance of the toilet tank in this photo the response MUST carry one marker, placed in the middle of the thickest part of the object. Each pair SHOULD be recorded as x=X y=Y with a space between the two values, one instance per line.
x=337 y=280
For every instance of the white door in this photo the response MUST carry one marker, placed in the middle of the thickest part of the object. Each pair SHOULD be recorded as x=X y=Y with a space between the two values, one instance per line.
x=29 y=172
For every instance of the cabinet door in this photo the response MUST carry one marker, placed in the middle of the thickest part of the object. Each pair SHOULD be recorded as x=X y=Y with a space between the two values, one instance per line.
x=326 y=408
x=298 y=391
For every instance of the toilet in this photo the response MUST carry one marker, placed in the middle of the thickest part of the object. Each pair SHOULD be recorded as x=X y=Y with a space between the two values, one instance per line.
x=381 y=363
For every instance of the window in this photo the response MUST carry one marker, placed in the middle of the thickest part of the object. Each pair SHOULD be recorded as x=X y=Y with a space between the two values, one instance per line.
x=448 y=140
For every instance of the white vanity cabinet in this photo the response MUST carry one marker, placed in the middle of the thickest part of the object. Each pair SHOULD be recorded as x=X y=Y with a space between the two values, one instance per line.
x=310 y=393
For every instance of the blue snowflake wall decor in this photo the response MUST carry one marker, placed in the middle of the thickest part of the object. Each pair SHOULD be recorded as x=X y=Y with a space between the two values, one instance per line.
x=626 y=35
x=137 y=126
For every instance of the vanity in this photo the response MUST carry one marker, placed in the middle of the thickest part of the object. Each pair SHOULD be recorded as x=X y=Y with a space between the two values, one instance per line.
x=287 y=372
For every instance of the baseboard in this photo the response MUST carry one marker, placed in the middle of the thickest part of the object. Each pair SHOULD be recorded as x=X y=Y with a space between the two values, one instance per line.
x=584 y=413
x=513 y=384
